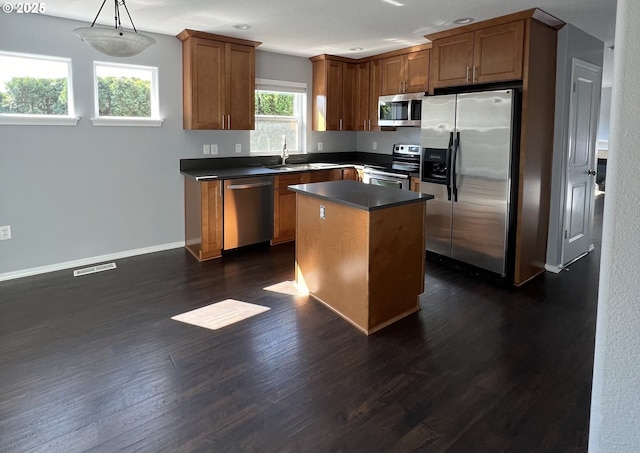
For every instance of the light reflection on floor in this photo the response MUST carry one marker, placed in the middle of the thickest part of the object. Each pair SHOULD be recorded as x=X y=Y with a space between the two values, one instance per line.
x=288 y=287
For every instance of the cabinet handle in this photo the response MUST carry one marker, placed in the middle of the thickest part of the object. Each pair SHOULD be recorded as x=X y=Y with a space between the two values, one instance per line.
x=223 y=123
x=468 y=70
x=229 y=122
x=475 y=73
x=369 y=123
x=340 y=123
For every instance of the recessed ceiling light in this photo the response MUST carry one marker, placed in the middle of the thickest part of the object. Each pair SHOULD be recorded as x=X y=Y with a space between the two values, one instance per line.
x=356 y=49
x=242 y=26
x=393 y=2
x=463 y=20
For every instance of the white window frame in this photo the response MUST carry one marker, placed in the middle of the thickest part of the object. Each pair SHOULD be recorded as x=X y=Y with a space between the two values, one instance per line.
x=153 y=121
x=286 y=87
x=20 y=119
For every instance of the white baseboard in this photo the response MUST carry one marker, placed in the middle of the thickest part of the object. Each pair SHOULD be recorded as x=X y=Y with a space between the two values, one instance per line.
x=87 y=261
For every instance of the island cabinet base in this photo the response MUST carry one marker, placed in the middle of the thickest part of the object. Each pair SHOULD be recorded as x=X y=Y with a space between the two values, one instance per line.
x=367 y=266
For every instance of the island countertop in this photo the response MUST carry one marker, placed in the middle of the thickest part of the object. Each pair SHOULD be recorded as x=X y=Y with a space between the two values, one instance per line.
x=359 y=195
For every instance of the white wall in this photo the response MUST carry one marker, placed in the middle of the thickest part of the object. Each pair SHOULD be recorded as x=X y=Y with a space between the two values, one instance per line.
x=572 y=42
x=615 y=402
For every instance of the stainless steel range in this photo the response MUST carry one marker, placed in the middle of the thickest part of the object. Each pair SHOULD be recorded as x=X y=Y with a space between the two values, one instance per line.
x=405 y=161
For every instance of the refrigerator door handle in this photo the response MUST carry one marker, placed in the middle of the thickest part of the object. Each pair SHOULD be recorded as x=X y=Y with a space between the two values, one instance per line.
x=448 y=164
x=454 y=160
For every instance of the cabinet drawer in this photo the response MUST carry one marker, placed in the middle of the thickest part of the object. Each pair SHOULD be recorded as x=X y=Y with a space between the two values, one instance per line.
x=282 y=181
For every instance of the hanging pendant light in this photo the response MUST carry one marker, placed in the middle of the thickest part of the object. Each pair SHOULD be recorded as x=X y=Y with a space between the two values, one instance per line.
x=115 y=42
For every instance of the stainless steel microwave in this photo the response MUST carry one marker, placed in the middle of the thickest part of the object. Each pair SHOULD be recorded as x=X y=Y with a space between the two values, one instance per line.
x=400 y=109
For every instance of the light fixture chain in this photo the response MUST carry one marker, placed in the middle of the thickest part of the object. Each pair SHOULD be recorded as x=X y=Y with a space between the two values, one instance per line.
x=130 y=19
x=101 y=6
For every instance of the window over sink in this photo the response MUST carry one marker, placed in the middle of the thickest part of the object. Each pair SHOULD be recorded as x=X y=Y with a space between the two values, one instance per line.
x=280 y=114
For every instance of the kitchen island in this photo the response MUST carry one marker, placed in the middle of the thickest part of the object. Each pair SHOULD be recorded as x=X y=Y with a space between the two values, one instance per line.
x=360 y=250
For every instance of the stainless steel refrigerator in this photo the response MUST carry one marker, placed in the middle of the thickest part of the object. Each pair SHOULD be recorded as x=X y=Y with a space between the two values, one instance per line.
x=468 y=164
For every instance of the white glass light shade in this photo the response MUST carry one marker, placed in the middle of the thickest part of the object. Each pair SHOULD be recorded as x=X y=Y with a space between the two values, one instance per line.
x=114 y=42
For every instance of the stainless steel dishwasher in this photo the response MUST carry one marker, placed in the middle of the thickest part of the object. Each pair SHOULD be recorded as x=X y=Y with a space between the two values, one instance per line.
x=248 y=211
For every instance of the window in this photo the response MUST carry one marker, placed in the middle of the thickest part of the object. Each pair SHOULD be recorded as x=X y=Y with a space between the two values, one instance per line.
x=126 y=95
x=35 y=89
x=280 y=113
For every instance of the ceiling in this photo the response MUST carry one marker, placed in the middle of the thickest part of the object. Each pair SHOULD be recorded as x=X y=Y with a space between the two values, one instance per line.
x=312 y=27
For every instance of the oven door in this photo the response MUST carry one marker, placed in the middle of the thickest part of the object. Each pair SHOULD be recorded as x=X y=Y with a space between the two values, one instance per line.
x=382 y=178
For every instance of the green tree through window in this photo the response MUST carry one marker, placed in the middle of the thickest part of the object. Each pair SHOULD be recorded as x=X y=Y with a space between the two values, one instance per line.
x=124 y=96
x=34 y=96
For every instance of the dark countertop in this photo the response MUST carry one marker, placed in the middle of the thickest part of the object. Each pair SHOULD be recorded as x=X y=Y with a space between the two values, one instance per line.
x=359 y=195
x=205 y=169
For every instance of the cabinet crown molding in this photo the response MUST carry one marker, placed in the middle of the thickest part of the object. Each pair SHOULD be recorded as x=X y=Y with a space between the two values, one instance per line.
x=534 y=13
x=188 y=33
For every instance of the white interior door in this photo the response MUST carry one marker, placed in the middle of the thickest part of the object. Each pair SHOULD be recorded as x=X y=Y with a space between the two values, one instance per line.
x=583 y=123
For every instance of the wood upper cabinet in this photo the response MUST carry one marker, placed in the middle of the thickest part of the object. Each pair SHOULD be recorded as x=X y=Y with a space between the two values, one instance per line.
x=218 y=79
x=406 y=73
x=369 y=87
x=334 y=94
x=491 y=54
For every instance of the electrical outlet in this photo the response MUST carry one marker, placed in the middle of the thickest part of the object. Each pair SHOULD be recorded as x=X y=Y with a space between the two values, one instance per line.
x=206 y=149
x=238 y=148
x=319 y=146
x=375 y=145
x=323 y=212
x=5 y=232
x=214 y=149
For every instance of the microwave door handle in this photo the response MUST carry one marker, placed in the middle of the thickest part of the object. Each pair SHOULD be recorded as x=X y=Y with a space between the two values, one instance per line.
x=454 y=175
x=448 y=164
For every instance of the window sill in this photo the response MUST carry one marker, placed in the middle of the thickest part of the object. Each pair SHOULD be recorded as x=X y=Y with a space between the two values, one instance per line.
x=142 y=122
x=38 y=120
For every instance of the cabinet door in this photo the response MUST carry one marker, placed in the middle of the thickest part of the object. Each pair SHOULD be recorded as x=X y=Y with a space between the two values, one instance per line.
x=334 y=95
x=284 y=216
x=452 y=60
x=498 y=53
x=240 y=77
x=363 y=80
x=375 y=90
x=349 y=96
x=211 y=193
x=393 y=74
x=350 y=173
x=203 y=73
x=417 y=72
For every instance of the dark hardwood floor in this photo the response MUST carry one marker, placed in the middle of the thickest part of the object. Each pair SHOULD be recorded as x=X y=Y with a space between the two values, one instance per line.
x=95 y=363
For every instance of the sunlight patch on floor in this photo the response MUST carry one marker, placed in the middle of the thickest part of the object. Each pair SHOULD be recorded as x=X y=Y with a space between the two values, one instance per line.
x=288 y=287
x=220 y=314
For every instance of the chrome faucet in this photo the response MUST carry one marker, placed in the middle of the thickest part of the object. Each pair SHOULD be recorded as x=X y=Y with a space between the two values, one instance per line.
x=284 y=153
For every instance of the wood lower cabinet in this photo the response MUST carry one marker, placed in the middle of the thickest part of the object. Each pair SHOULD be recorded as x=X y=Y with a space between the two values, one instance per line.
x=218 y=77
x=491 y=54
x=407 y=73
x=351 y=173
x=203 y=218
x=414 y=184
x=284 y=201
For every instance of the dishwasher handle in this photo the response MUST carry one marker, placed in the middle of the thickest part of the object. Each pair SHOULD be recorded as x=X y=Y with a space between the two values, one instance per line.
x=248 y=186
